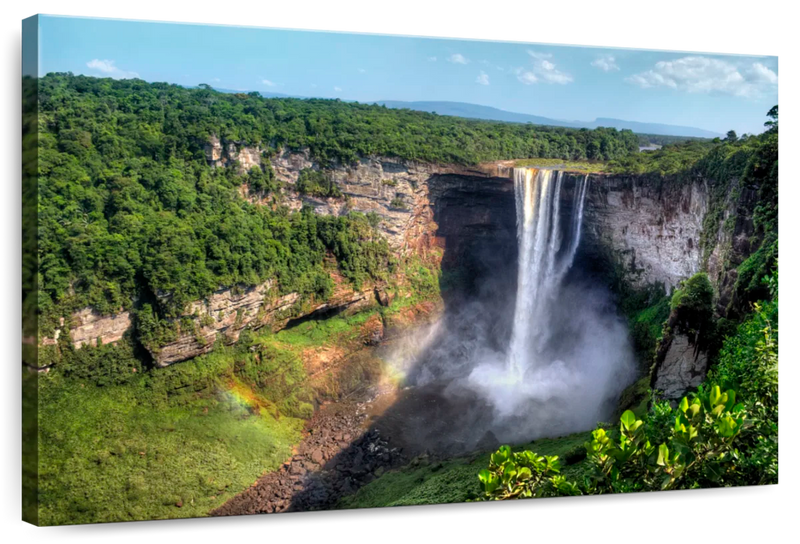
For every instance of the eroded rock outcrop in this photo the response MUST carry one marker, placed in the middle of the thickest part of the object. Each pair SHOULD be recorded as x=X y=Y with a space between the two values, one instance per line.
x=683 y=367
x=398 y=191
x=219 y=154
x=681 y=359
x=226 y=313
x=89 y=327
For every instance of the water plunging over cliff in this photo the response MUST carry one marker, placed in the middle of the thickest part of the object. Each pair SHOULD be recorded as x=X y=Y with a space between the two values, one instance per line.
x=536 y=346
x=567 y=348
x=542 y=264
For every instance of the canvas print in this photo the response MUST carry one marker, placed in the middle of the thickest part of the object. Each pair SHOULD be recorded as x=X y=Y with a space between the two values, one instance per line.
x=274 y=271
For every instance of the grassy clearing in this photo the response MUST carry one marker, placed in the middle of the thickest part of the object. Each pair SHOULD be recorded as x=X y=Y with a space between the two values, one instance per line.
x=118 y=453
x=456 y=480
x=586 y=167
x=193 y=434
x=317 y=332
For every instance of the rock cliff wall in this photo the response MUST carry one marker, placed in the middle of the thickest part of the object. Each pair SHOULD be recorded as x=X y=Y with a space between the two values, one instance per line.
x=652 y=231
x=225 y=314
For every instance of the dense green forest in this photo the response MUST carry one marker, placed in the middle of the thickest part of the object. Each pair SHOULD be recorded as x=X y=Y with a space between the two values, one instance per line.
x=660 y=139
x=129 y=207
x=714 y=159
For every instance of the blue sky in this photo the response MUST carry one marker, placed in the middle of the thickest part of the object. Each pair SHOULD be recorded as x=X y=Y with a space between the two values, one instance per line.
x=714 y=92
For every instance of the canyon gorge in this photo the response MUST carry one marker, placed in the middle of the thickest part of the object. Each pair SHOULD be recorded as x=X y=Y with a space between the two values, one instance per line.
x=649 y=234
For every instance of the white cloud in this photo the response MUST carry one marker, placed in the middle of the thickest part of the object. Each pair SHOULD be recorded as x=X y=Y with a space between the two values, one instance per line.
x=696 y=74
x=337 y=89
x=362 y=71
x=458 y=58
x=268 y=83
x=764 y=74
x=431 y=59
x=483 y=78
x=107 y=67
x=216 y=79
x=607 y=63
x=526 y=76
x=542 y=69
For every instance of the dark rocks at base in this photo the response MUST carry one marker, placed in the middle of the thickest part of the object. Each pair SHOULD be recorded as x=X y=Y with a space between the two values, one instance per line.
x=335 y=459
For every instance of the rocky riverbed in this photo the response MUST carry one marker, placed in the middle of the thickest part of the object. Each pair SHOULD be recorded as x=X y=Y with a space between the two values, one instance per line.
x=338 y=455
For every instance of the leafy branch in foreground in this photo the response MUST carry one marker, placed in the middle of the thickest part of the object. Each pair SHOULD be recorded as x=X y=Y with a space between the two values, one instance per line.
x=701 y=450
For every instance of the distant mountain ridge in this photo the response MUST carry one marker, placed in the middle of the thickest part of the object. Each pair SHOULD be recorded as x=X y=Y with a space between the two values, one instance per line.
x=489 y=113
x=475 y=111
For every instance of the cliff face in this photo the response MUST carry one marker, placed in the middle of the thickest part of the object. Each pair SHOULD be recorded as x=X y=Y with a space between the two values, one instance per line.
x=379 y=184
x=653 y=232
x=226 y=313
x=733 y=242
x=90 y=327
x=682 y=359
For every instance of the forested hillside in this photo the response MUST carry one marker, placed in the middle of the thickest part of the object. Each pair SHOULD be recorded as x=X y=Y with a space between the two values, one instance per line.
x=131 y=209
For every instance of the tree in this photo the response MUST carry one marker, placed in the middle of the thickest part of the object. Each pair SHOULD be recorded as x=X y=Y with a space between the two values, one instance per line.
x=731 y=136
x=772 y=124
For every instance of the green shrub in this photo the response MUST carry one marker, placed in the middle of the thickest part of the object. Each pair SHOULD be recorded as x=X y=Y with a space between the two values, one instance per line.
x=700 y=451
x=575 y=455
x=262 y=181
x=399 y=203
x=316 y=183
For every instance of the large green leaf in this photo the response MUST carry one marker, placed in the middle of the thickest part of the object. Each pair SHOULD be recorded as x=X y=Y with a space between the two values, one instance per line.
x=524 y=474
x=663 y=455
x=628 y=420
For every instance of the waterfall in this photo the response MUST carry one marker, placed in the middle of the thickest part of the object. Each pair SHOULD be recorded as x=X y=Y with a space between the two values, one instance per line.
x=539 y=271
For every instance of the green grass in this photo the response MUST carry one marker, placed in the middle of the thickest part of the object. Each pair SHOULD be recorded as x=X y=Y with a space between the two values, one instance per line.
x=116 y=454
x=454 y=480
x=318 y=332
x=195 y=433
x=587 y=167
